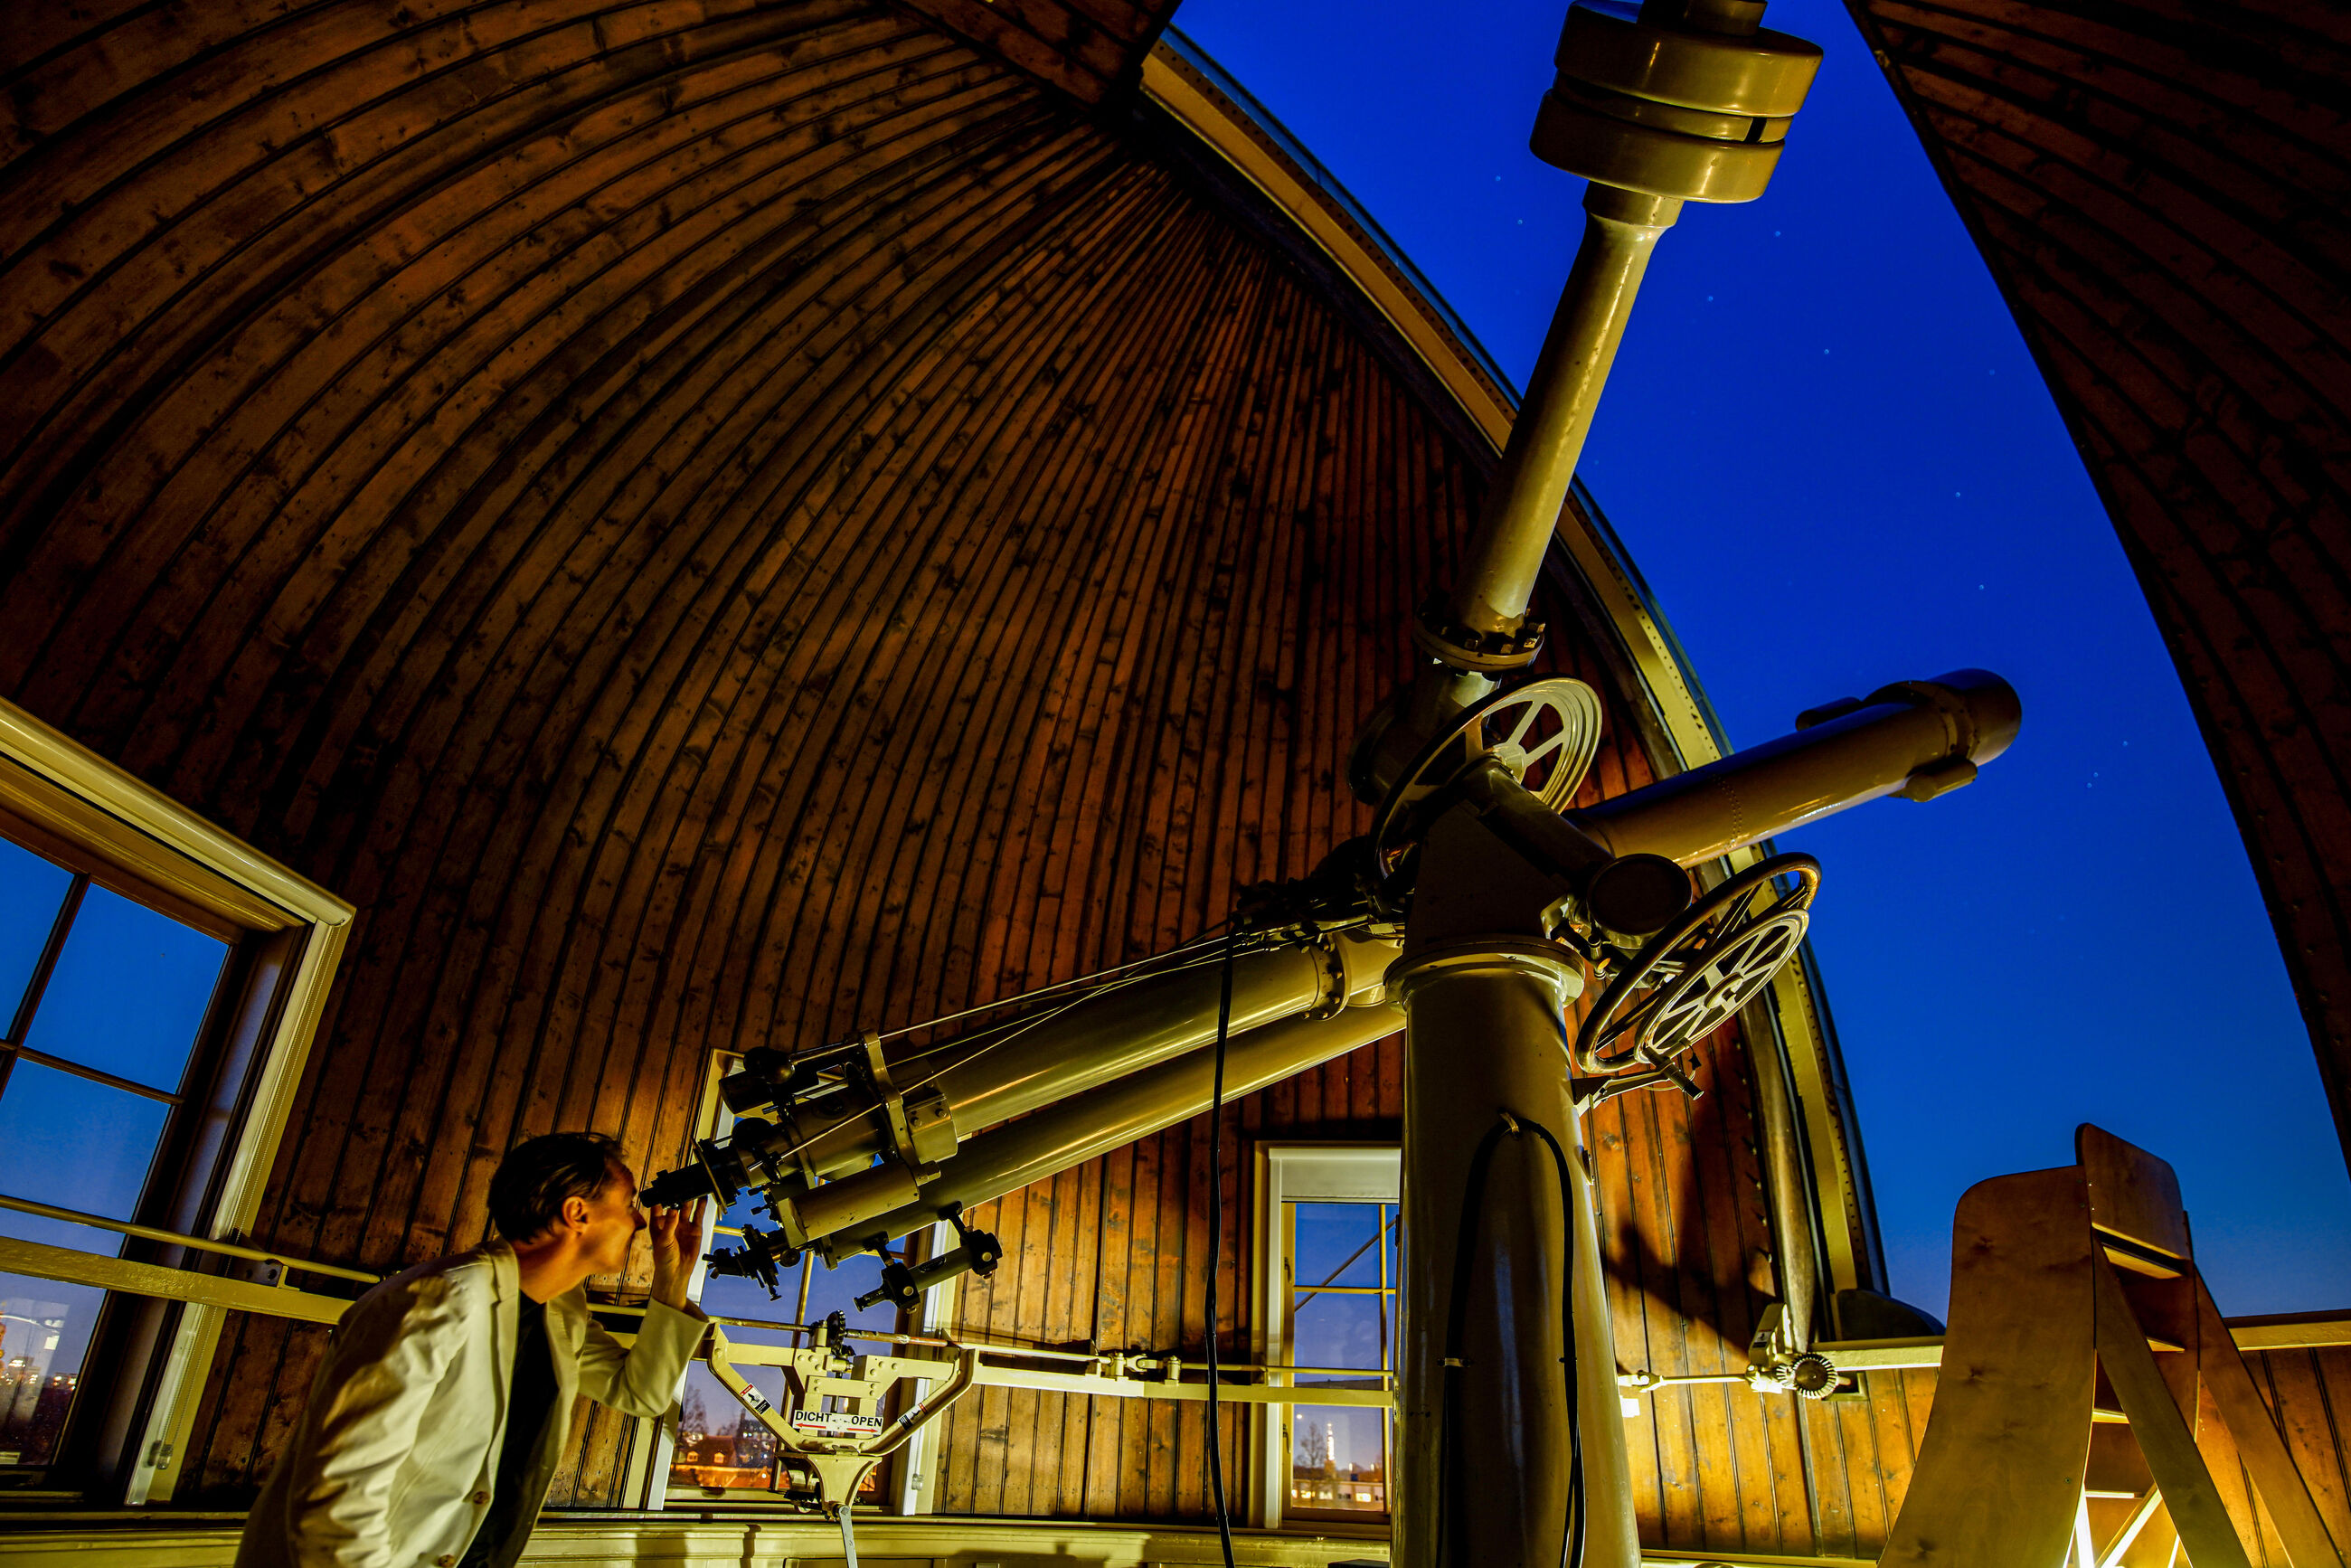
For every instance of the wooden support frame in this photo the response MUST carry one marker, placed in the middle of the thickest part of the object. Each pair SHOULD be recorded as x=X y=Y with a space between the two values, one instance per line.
x=2061 y=1278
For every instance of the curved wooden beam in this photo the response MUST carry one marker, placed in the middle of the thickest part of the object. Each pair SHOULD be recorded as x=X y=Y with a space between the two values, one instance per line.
x=1999 y=1479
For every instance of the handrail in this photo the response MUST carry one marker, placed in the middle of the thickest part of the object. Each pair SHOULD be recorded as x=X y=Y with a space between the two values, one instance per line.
x=1034 y=1353
x=181 y=1239
x=2294 y=1331
x=188 y=1285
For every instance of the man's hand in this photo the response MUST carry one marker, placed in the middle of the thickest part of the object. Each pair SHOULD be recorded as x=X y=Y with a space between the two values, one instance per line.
x=676 y=1236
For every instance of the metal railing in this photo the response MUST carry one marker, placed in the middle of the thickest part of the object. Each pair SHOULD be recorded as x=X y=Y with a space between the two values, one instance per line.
x=1117 y=1374
x=285 y=1262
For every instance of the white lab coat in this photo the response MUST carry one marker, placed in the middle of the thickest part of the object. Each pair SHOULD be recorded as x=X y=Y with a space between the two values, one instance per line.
x=393 y=1464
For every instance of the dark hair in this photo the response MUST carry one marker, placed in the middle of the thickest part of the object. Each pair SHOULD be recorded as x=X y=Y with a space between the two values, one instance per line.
x=528 y=1192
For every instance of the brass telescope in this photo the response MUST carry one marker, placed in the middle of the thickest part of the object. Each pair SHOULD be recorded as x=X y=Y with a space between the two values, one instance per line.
x=1506 y=907
x=1904 y=736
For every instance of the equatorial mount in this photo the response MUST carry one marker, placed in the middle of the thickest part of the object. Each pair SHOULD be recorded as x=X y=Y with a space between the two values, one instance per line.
x=1545 y=734
x=1693 y=977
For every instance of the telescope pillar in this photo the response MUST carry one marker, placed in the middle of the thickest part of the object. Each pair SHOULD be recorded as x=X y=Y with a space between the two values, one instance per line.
x=1503 y=1251
x=1505 y=1306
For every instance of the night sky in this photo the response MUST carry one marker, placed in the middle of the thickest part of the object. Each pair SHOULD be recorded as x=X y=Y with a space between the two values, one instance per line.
x=1829 y=451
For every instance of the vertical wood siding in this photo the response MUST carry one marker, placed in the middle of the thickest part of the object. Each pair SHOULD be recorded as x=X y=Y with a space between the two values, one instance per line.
x=718 y=525
x=2309 y=1394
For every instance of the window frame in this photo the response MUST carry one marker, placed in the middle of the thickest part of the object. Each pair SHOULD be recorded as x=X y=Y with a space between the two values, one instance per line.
x=286 y=936
x=1297 y=1173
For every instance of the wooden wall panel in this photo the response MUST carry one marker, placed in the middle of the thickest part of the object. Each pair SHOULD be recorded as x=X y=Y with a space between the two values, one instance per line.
x=2164 y=194
x=2308 y=1392
x=726 y=524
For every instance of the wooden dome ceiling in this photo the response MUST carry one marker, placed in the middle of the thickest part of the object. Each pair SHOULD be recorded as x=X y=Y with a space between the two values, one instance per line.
x=728 y=524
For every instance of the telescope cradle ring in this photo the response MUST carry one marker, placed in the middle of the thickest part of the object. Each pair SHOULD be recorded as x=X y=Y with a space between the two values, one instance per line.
x=1694 y=976
x=1505 y=726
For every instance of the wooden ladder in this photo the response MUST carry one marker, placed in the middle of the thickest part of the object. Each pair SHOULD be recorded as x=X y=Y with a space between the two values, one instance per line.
x=2084 y=1363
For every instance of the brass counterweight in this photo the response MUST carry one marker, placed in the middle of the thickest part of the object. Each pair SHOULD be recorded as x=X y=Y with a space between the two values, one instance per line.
x=1690 y=100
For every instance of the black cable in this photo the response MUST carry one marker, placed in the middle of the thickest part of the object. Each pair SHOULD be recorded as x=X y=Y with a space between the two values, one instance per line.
x=1216 y=1245
x=1571 y=1545
x=1456 y=1312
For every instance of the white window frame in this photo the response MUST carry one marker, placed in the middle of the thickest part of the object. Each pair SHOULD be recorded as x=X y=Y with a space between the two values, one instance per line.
x=917 y=1474
x=72 y=794
x=654 y=1444
x=1297 y=1173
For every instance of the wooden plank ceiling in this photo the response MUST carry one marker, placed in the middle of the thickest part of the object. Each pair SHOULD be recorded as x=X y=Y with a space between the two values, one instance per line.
x=725 y=524
x=2164 y=192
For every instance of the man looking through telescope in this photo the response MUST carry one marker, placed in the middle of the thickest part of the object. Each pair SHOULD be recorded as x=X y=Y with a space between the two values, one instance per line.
x=436 y=1420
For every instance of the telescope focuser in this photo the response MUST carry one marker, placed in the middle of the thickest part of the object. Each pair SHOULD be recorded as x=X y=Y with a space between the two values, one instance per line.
x=764 y=1256
x=978 y=1254
x=722 y=1168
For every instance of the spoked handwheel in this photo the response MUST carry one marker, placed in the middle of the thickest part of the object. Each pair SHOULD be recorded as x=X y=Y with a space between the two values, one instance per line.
x=1545 y=732
x=1693 y=976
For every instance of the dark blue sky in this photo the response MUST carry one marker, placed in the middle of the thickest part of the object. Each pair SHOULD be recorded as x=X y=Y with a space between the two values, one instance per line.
x=1830 y=452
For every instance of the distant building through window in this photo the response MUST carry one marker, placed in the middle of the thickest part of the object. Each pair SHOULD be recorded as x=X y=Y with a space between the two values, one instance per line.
x=1342 y=1313
x=1327 y=1272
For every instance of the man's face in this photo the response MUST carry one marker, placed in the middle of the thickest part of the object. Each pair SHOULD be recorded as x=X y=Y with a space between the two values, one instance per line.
x=607 y=1223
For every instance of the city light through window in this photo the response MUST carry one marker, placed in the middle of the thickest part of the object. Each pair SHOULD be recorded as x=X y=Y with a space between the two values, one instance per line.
x=102 y=1000
x=720 y=1445
x=1347 y=1259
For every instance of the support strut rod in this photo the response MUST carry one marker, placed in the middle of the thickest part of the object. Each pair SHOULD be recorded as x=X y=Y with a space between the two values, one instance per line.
x=1497 y=575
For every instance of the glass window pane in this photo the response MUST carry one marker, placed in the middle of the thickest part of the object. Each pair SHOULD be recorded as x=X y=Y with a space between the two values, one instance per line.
x=1339 y=1460
x=43 y=1335
x=129 y=992
x=720 y=1443
x=31 y=890
x=78 y=1145
x=1336 y=1331
x=1336 y=1240
x=67 y=1141
x=836 y=1290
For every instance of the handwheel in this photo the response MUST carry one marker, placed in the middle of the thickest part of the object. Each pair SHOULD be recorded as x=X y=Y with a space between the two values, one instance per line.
x=1694 y=974
x=1545 y=732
